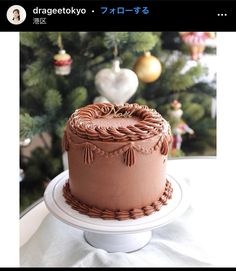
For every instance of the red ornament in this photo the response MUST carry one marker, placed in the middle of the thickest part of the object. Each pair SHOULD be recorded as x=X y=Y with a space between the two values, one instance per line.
x=62 y=63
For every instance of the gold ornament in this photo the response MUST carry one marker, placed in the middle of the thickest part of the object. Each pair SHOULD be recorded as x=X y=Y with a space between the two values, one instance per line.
x=148 y=68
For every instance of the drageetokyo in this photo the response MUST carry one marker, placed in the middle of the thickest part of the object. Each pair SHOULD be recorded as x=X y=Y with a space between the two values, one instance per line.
x=63 y=10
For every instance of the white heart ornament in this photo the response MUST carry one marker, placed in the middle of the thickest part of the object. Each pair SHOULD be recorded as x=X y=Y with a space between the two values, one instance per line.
x=116 y=84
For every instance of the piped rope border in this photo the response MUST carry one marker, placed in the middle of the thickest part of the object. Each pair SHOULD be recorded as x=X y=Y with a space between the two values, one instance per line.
x=151 y=123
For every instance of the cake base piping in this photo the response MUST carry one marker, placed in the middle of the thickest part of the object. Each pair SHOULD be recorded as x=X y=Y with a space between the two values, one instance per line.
x=118 y=215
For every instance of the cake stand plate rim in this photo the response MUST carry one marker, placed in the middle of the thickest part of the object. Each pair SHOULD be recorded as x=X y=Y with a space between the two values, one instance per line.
x=59 y=208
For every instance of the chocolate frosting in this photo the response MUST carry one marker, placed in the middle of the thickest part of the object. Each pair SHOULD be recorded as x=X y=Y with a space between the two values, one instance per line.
x=117 y=214
x=150 y=122
x=128 y=150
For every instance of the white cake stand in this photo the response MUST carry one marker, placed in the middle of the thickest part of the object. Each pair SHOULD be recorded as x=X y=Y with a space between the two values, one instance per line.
x=114 y=235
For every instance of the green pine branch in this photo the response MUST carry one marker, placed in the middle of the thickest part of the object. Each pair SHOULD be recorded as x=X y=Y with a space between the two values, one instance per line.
x=30 y=126
x=115 y=39
x=142 y=41
x=53 y=100
x=174 y=80
x=77 y=97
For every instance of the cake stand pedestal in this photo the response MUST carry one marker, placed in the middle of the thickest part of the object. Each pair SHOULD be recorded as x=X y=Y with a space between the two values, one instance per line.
x=118 y=242
x=113 y=235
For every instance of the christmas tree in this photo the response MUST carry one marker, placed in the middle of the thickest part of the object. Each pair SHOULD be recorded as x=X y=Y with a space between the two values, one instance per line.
x=47 y=99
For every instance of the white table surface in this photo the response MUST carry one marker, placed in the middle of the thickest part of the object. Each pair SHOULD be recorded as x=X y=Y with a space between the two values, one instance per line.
x=203 y=236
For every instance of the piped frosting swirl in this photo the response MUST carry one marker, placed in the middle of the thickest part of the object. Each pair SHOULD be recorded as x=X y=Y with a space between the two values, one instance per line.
x=150 y=123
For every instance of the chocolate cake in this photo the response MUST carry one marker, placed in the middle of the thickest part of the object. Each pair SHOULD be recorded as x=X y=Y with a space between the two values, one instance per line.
x=117 y=157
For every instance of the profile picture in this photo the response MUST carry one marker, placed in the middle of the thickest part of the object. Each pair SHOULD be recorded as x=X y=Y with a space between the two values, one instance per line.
x=16 y=14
